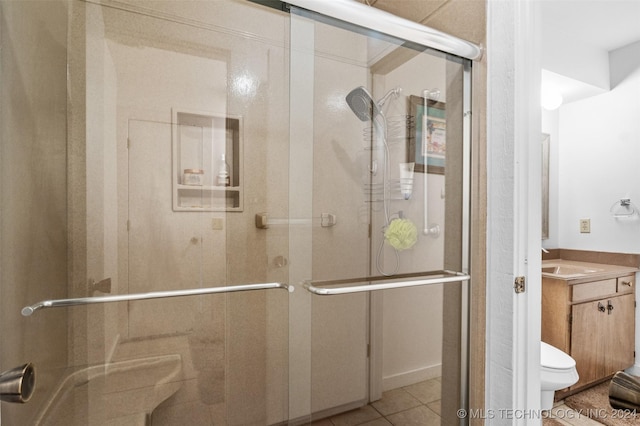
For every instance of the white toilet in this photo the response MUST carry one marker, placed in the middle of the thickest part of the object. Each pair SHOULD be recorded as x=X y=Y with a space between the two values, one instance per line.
x=557 y=371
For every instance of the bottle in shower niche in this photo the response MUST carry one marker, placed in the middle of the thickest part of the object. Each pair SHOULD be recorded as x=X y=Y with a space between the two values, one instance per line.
x=224 y=172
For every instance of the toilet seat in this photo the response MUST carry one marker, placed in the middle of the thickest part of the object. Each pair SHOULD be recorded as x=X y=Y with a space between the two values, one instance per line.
x=553 y=358
x=557 y=371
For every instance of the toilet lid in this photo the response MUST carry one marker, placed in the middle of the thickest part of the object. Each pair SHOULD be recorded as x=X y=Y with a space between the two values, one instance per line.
x=552 y=357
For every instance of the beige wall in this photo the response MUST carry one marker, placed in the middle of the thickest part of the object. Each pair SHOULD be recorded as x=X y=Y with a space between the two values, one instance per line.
x=338 y=324
x=33 y=192
x=155 y=68
x=410 y=330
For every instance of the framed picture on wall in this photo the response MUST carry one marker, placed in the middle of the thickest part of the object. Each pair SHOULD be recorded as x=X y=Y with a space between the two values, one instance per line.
x=427 y=147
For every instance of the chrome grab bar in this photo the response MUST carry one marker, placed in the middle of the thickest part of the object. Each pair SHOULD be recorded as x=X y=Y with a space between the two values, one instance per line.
x=434 y=277
x=28 y=310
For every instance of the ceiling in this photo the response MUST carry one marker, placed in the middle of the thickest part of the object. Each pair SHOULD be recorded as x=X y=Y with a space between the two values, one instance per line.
x=415 y=10
x=605 y=24
x=600 y=25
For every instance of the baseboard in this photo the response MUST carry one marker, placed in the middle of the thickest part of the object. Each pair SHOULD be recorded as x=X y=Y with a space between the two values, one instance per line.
x=411 y=377
x=319 y=415
x=634 y=370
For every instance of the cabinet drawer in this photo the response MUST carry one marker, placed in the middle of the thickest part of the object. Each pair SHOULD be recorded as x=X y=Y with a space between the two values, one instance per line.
x=626 y=284
x=594 y=290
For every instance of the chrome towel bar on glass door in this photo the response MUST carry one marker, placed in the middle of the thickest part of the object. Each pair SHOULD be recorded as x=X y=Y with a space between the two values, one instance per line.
x=28 y=310
x=406 y=280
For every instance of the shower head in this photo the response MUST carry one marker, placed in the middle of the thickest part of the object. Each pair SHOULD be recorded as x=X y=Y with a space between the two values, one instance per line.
x=395 y=92
x=362 y=104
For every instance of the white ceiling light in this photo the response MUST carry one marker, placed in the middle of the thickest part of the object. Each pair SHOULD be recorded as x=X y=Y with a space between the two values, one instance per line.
x=554 y=85
x=550 y=100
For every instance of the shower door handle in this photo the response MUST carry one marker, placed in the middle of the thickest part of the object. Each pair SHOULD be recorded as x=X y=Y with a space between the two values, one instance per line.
x=28 y=310
x=408 y=280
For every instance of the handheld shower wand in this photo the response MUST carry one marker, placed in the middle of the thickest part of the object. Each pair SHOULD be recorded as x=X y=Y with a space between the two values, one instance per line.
x=366 y=109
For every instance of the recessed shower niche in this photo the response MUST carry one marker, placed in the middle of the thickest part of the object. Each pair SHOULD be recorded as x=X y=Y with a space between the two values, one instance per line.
x=207 y=162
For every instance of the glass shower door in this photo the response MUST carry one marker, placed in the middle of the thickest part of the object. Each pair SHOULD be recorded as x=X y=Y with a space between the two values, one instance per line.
x=172 y=170
x=378 y=141
x=140 y=141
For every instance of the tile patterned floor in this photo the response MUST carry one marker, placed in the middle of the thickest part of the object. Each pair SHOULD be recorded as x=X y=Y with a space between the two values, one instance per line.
x=419 y=405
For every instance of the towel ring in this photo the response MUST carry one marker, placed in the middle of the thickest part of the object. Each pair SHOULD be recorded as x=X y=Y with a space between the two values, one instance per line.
x=623 y=208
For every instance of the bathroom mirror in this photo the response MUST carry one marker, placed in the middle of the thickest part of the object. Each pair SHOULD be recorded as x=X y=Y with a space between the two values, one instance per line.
x=545 y=186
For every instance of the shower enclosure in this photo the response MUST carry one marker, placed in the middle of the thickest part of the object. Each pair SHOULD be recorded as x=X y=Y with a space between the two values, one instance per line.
x=219 y=212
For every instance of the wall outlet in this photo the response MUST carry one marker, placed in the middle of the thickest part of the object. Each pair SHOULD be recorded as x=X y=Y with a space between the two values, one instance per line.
x=585 y=226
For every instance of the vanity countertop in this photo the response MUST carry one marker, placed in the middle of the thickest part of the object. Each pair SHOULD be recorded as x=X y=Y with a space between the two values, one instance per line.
x=577 y=272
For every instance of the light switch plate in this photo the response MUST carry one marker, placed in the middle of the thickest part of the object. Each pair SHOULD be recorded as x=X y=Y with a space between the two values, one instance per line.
x=585 y=226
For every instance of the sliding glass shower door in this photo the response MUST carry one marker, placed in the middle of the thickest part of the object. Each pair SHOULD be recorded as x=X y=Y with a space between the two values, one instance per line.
x=140 y=141
x=378 y=142
x=215 y=212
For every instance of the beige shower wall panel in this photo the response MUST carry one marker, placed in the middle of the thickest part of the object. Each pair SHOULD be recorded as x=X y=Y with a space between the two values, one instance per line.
x=412 y=318
x=33 y=157
x=224 y=15
x=413 y=77
x=273 y=133
x=257 y=322
x=100 y=192
x=340 y=157
x=166 y=250
x=466 y=19
x=188 y=248
x=341 y=47
x=339 y=329
x=160 y=67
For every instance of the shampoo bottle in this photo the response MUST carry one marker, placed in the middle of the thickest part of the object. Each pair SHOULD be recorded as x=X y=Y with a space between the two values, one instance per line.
x=224 y=177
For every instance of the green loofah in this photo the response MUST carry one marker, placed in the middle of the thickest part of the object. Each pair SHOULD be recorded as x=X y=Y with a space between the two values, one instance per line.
x=401 y=234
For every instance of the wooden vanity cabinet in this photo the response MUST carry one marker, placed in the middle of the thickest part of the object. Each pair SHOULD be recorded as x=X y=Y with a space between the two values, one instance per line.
x=594 y=322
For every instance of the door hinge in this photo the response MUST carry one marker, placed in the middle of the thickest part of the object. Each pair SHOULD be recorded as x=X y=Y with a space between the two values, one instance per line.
x=518 y=285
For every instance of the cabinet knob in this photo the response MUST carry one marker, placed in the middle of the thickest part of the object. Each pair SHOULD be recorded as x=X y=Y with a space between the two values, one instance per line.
x=609 y=307
x=628 y=283
x=601 y=307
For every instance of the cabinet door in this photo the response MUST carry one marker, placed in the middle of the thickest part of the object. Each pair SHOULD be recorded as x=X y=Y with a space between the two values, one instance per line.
x=588 y=340
x=620 y=333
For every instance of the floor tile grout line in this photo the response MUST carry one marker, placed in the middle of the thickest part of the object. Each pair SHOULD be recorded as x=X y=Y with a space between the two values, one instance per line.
x=335 y=420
